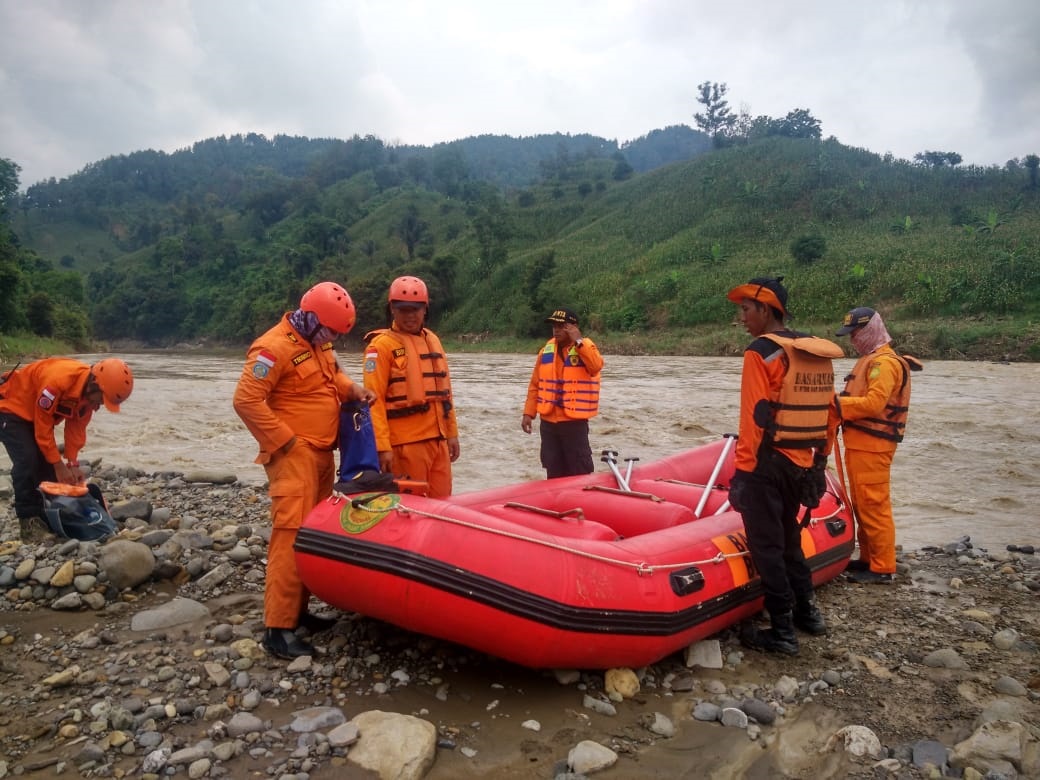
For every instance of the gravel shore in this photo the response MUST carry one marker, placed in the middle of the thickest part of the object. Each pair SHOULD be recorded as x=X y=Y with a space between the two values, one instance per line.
x=139 y=657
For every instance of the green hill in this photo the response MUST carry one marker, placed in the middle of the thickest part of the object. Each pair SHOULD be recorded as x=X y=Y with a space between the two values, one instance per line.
x=213 y=244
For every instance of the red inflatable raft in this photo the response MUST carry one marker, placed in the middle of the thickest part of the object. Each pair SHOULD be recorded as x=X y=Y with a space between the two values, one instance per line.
x=588 y=572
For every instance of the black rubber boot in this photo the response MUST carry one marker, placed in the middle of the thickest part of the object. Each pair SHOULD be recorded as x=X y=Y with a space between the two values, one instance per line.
x=283 y=643
x=316 y=623
x=778 y=638
x=807 y=616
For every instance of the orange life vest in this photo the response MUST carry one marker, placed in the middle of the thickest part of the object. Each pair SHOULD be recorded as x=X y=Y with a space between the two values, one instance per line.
x=800 y=413
x=575 y=391
x=423 y=381
x=892 y=426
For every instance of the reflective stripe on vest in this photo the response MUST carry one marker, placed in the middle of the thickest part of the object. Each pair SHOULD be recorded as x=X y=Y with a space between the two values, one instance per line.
x=424 y=379
x=575 y=392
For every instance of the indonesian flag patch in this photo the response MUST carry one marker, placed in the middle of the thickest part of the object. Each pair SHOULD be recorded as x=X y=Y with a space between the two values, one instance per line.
x=264 y=363
x=370 y=361
x=46 y=399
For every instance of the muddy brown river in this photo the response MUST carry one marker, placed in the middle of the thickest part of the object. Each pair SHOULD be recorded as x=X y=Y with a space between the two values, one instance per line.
x=968 y=467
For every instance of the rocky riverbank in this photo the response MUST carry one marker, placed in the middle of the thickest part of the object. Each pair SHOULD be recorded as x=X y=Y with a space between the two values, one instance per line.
x=140 y=657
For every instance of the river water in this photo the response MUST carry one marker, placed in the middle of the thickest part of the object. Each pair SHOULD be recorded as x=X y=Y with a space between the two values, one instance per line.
x=968 y=466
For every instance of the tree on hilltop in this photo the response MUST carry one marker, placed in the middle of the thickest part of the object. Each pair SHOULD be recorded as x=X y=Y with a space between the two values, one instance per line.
x=717 y=120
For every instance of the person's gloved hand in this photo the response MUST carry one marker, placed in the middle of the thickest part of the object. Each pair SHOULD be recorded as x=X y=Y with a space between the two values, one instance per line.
x=814 y=482
x=738 y=490
x=819 y=469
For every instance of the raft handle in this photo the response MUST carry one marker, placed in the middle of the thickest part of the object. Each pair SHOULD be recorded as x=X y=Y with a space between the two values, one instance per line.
x=578 y=512
x=617 y=491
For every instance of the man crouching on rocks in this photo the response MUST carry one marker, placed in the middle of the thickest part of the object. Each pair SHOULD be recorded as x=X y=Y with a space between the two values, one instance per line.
x=289 y=397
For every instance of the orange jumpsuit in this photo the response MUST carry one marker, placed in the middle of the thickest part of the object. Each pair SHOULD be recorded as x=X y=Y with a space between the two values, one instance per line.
x=414 y=412
x=48 y=393
x=290 y=388
x=877 y=380
x=34 y=400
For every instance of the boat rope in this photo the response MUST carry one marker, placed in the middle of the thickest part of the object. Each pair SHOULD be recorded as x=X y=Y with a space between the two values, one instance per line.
x=641 y=568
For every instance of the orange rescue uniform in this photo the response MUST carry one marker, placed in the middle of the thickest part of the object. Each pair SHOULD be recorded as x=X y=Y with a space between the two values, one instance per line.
x=48 y=393
x=877 y=389
x=414 y=412
x=290 y=388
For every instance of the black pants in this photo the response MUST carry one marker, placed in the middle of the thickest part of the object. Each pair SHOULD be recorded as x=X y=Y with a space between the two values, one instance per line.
x=565 y=448
x=28 y=465
x=773 y=533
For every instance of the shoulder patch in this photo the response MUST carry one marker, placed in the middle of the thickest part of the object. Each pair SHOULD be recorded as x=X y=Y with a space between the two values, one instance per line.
x=46 y=399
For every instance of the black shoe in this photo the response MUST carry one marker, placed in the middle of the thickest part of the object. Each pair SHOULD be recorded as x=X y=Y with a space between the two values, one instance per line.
x=857 y=565
x=316 y=623
x=283 y=643
x=869 y=577
x=807 y=616
x=778 y=638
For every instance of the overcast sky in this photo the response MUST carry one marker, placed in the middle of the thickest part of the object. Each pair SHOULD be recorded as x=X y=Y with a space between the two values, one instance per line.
x=81 y=80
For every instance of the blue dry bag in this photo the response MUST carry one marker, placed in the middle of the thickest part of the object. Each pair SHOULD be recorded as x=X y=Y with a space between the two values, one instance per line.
x=82 y=517
x=357 y=440
x=358 y=457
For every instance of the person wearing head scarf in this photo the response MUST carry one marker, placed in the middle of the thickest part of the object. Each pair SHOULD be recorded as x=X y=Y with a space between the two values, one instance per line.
x=874 y=407
x=786 y=431
x=289 y=396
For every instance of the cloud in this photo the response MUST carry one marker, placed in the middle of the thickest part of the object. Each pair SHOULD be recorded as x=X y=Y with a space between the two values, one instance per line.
x=83 y=81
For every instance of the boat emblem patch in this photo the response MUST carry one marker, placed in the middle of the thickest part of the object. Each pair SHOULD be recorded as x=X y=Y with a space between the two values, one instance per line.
x=367 y=509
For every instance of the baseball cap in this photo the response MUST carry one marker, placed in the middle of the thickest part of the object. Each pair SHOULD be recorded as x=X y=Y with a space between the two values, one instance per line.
x=856 y=318
x=563 y=316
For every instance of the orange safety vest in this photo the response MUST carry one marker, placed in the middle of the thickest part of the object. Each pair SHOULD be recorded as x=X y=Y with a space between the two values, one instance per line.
x=892 y=426
x=576 y=392
x=422 y=380
x=800 y=413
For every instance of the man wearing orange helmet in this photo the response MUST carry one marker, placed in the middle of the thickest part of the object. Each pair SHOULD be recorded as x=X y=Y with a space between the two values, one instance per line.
x=36 y=399
x=414 y=414
x=288 y=396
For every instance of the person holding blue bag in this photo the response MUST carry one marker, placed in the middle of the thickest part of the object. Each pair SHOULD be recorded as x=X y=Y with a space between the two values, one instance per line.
x=288 y=396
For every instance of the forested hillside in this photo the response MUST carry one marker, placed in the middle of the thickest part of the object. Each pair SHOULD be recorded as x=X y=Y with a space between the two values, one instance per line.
x=213 y=242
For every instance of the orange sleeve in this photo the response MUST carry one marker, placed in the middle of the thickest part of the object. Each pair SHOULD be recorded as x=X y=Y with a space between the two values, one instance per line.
x=254 y=387
x=754 y=387
x=590 y=356
x=76 y=433
x=66 y=380
x=882 y=376
x=531 y=402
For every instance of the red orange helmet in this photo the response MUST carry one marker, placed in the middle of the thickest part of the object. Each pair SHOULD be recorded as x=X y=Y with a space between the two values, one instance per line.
x=332 y=304
x=408 y=289
x=115 y=380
